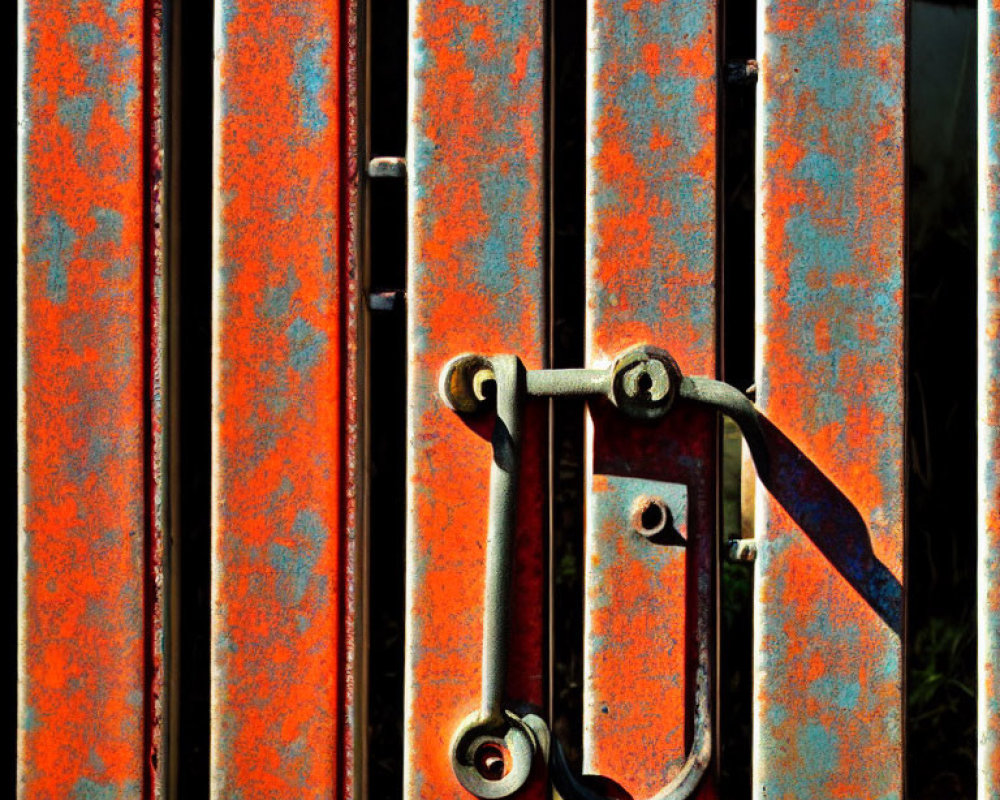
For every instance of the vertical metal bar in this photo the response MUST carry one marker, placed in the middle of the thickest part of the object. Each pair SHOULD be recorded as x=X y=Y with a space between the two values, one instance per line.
x=476 y=283
x=651 y=277
x=830 y=366
x=91 y=657
x=989 y=400
x=284 y=400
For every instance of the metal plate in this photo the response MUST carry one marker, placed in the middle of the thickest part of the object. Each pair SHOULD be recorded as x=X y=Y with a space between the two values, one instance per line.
x=476 y=284
x=622 y=688
x=651 y=278
x=283 y=721
x=92 y=566
x=828 y=677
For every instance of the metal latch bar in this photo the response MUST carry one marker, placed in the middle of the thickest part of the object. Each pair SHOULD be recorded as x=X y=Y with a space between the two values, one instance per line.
x=493 y=749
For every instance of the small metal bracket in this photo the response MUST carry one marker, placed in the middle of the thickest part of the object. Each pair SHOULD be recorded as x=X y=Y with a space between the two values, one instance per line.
x=386 y=301
x=742 y=73
x=742 y=551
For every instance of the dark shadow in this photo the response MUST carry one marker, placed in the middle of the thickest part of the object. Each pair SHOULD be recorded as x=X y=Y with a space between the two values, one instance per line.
x=567 y=299
x=191 y=210
x=811 y=499
x=669 y=536
x=385 y=253
x=832 y=523
x=583 y=787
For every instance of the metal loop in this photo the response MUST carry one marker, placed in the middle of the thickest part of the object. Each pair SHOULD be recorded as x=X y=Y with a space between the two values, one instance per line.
x=491 y=760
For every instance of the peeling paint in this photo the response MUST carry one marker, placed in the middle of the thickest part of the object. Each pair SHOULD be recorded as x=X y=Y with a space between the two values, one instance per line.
x=828 y=606
x=83 y=462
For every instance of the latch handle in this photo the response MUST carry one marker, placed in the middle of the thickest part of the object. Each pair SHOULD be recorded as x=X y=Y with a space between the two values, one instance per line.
x=493 y=750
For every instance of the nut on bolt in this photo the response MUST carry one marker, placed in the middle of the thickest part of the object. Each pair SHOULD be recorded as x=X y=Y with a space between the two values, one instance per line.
x=646 y=380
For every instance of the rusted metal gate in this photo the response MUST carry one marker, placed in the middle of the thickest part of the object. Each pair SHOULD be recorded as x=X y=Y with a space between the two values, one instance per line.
x=97 y=694
x=92 y=495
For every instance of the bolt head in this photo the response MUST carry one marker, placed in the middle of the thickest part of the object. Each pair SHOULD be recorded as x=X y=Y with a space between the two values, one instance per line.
x=646 y=381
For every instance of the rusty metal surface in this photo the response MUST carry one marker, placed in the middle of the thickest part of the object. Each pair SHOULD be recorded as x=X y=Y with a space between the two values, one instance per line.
x=476 y=283
x=284 y=415
x=90 y=489
x=989 y=400
x=651 y=278
x=828 y=592
x=644 y=524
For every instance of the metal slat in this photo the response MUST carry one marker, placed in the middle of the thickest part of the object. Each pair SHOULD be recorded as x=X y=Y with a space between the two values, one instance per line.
x=93 y=568
x=989 y=400
x=476 y=284
x=828 y=590
x=651 y=278
x=284 y=403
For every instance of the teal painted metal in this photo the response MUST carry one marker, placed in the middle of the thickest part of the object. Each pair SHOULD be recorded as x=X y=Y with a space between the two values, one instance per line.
x=828 y=677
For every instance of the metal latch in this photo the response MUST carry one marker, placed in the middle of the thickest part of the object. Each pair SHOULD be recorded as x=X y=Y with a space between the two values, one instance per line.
x=494 y=748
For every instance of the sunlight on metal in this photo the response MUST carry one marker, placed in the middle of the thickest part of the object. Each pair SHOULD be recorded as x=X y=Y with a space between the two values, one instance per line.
x=830 y=375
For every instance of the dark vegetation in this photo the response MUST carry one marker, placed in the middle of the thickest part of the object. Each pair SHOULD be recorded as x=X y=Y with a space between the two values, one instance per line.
x=941 y=595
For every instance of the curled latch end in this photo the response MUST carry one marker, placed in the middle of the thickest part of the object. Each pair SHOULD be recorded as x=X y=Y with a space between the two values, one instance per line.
x=494 y=759
x=466 y=383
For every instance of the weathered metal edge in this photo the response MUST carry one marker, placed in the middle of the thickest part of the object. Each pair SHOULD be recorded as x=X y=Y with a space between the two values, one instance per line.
x=988 y=415
x=776 y=767
x=353 y=661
